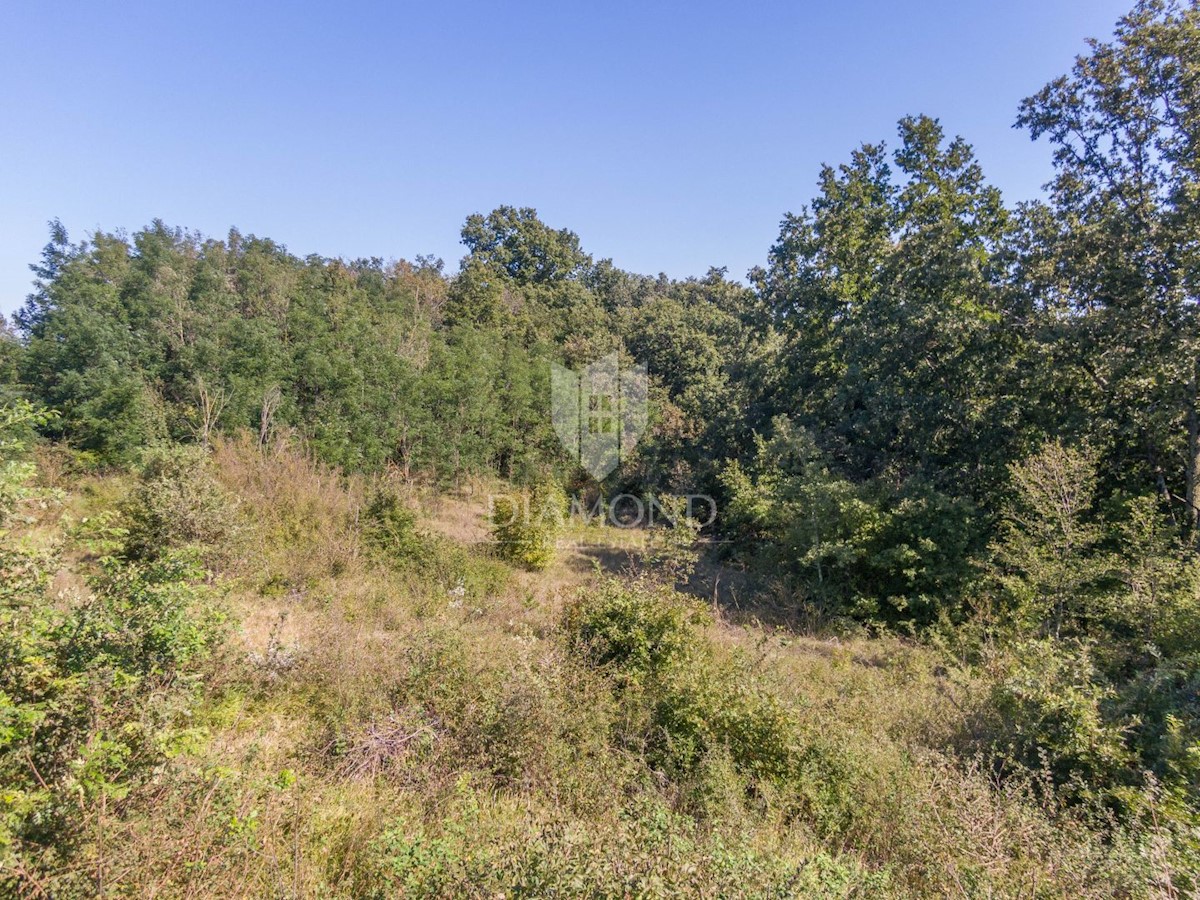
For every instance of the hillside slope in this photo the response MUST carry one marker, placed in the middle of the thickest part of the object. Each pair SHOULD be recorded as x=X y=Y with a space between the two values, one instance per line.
x=354 y=698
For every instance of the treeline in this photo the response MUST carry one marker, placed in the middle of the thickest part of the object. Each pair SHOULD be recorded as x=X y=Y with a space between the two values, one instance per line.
x=859 y=408
x=928 y=411
x=167 y=335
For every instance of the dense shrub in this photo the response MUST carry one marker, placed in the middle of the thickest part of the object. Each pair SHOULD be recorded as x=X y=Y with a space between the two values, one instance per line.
x=1044 y=712
x=389 y=525
x=710 y=709
x=892 y=554
x=177 y=501
x=17 y=423
x=92 y=698
x=96 y=686
x=1086 y=650
x=632 y=632
x=683 y=702
x=525 y=527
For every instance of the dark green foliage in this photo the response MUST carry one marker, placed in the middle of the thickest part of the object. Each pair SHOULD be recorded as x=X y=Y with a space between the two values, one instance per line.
x=870 y=550
x=173 y=335
x=929 y=412
x=389 y=525
x=10 y=358
x=1092 y=641
x=888 y=294
x=1114 y=249
x=518 y=244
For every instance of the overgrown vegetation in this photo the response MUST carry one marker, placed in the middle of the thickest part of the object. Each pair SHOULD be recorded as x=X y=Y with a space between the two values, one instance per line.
x=96 y=691
x=259 y=634
x=526 y=526
x=371 y=727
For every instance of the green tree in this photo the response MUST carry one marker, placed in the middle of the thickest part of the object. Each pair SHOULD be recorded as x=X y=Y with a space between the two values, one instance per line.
x=889 y=292
x=10 y=357
x=518 y=243
x=1125 y=128
x=889 y=555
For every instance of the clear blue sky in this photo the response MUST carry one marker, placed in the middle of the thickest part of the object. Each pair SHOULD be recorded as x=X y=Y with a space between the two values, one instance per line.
x=670 y=136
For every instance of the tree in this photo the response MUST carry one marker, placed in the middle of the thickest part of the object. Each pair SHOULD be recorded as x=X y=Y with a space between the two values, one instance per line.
x=1125 y=127
x=57 y=252
x=1048 y=556
x=10 y=357
x=887 y=555
x=518 y=243
x=889 y=292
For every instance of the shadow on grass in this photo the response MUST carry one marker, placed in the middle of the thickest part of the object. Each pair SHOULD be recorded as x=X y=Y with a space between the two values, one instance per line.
x=736 y=595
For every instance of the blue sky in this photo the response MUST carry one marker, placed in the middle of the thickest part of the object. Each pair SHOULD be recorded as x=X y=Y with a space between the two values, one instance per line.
x=670 y=136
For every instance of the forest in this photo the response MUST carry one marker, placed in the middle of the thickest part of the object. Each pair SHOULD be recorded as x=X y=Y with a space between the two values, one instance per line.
x=260 y=637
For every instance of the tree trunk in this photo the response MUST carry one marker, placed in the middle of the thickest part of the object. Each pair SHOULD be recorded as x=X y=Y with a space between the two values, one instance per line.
x=1192 y=492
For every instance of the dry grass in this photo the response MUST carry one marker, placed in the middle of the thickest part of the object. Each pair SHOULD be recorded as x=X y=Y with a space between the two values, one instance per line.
x=374 y=732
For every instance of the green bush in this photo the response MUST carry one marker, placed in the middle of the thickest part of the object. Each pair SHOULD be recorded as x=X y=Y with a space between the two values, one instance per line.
x=176 y=502
x=706 y=709
x=1044 y=712
x=631 y=631
x=390 y=526
x=17 y=423
x=94 y=698
x=525 y=527
x=683 y=702
x=888 y=552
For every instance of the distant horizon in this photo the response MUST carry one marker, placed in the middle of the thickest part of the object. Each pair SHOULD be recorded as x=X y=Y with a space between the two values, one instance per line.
x=670 y=143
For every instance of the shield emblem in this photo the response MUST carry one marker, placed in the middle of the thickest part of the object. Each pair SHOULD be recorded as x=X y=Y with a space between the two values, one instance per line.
x=600 y=413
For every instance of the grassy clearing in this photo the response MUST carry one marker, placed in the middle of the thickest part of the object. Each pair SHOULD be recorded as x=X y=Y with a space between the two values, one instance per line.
x=396 y=712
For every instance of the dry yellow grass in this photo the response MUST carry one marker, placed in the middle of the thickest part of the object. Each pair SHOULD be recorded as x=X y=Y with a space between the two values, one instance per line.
x=376 y=728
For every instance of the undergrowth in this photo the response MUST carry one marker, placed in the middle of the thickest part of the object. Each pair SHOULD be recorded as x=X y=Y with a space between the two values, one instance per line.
x=309 y=690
